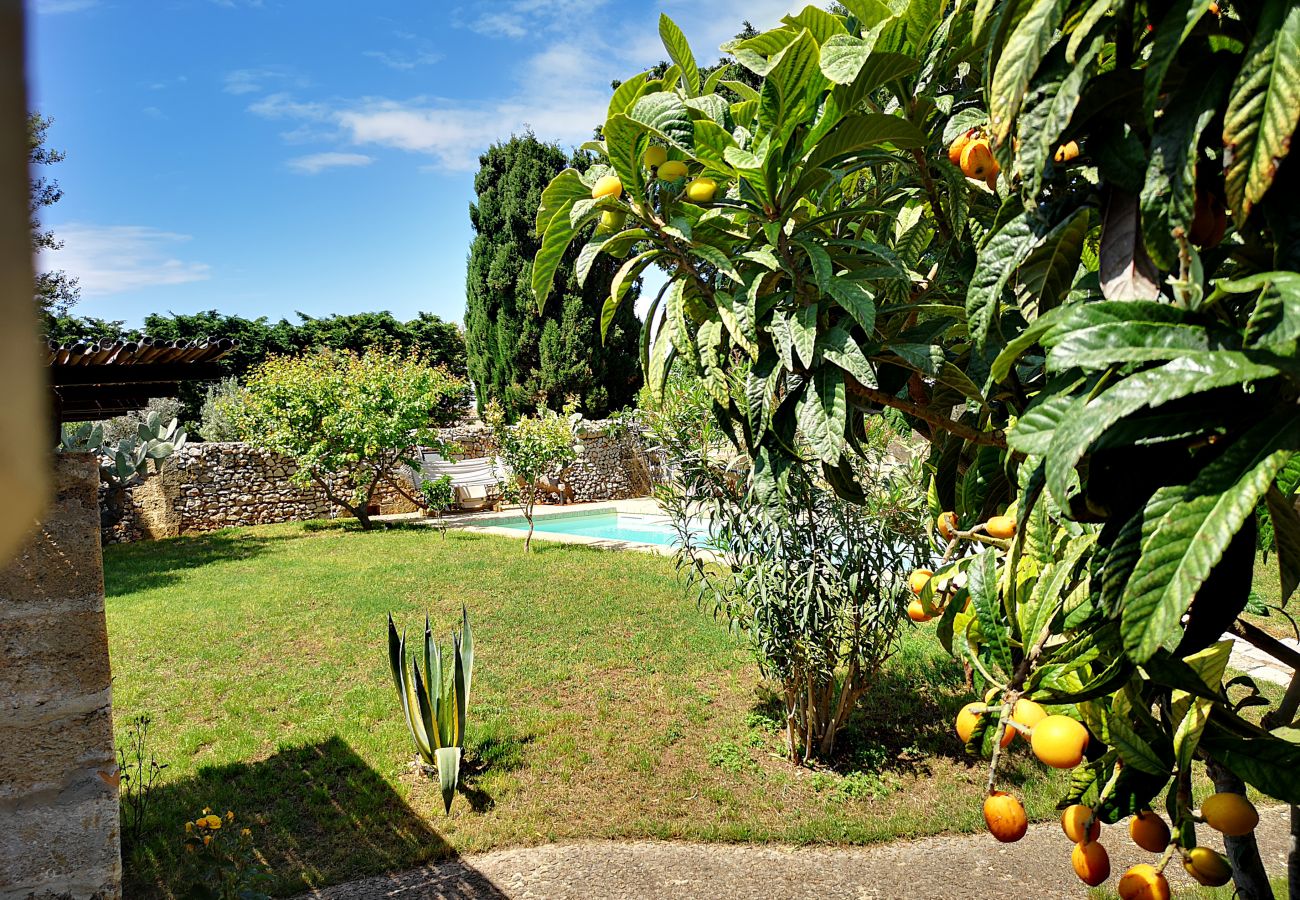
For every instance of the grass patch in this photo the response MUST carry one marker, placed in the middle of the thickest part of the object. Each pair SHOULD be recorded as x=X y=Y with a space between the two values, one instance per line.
x=1268 y=585
x=605 y=705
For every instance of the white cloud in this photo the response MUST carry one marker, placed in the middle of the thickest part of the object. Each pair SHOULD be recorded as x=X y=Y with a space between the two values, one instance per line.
x=256 y=80
x=53 y=7
x=563 y=93
x=404 y=62
x=562 y=85
x=281 y=105
x=520 y=18
x=111 y=259
x=316 y=163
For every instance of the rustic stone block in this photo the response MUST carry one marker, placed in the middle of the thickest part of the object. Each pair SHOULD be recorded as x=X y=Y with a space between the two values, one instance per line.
x=41 y=750
x=57 y=654
x=44 y=851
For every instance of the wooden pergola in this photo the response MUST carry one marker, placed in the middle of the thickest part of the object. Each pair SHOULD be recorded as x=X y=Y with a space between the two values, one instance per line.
x=93 y=380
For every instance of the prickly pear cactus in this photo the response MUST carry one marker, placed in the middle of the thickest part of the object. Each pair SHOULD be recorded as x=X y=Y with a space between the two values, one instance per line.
x=128 y=460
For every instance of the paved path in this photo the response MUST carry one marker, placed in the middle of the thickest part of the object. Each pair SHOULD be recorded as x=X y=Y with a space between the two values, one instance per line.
x=1258 y=664
x=970 y=867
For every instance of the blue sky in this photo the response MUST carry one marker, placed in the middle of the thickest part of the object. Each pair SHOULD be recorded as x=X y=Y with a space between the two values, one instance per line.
x=265 y=156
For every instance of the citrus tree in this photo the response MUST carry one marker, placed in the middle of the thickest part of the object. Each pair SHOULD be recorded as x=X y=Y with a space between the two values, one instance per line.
x=1060 y=238
x=536 y=450
x=347 y=420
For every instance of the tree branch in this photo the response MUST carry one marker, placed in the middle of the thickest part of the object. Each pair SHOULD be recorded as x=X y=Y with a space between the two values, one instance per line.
x=930 y=191
x=329 y=493
x=924 y=413
x=1258 y=637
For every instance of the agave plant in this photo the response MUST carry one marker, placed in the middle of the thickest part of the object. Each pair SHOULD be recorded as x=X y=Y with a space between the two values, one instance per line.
x=435 y=703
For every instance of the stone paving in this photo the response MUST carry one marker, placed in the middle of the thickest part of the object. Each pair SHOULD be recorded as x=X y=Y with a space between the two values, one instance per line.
x=969 y=867
x=1254 y=662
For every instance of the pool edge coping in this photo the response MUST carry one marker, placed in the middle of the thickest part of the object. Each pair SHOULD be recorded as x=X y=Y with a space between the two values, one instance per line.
x=632 y=506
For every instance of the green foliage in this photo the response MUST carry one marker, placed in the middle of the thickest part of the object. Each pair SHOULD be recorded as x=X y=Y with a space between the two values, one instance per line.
x=130 y=457
x=217 y=414
x=680 y=421
x=439 y=495
x=436 y=704
x=440 y=342
x=138 y=773
x=537 y=449
x=56 y=291
x=221 y=861
x=818 y=585
x=121 y=427
x=521 y=359
x=1083 y=344
x=69 y=329
x=347 y=420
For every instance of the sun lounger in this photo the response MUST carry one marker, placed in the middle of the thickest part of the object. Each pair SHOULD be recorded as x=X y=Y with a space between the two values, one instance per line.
x=476 y=483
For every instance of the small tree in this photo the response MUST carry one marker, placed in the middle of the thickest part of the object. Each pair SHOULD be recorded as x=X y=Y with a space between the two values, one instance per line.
x=535 y=448
x=817 y=584
x=217 y=414
x=347 y=420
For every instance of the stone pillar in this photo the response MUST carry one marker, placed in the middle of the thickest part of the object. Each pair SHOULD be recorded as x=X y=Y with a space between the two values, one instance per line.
x=58 y=813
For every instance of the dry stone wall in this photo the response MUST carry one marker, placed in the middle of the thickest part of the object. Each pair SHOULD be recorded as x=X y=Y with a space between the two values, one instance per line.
x=614 y=462
x=219 y=484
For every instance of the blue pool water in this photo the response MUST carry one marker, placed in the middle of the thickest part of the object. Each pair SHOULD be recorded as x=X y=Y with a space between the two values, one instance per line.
x=609 y=526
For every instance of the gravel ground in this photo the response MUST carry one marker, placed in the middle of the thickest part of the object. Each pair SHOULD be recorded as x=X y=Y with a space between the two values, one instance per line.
x=970 y=867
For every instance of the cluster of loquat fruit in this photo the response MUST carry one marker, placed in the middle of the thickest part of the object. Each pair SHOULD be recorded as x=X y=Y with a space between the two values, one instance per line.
x=997 y=527
x=971 y=152
x=1060 y=741
x=1227 y=813
x=655 y=158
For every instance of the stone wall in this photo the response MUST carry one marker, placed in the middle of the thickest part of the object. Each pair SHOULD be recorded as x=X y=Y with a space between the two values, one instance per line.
x=613 y=461
x=58 y=810
x=218 y=484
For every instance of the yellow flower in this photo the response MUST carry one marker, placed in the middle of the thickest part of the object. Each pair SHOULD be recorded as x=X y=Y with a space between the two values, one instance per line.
x=189 y=826
x=207 y=839
x=246 y=833
x=206 y=810
x=230 y=816
x=214 y=822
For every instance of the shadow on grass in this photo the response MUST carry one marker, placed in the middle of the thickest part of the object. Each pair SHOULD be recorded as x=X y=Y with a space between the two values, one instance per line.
x=902 y=722
x=351 y=525
x=496 y=753
x=319 y=816
x=153 y=564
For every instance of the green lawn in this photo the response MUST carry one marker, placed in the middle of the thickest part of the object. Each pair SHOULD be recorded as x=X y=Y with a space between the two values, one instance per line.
x=605 y=705
x=1268 y=585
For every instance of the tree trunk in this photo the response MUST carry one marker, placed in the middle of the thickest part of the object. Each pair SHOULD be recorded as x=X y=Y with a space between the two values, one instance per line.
x=358 y=512
x=527 y=498
x=1243 y=852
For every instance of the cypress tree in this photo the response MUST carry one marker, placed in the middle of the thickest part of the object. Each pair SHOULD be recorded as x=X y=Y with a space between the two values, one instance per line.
x=522 y=358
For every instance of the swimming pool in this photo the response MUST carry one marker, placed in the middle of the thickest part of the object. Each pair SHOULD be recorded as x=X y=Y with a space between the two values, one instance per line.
x=611 y=526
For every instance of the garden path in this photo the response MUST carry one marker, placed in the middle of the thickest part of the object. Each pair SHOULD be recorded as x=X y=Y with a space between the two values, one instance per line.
x=969 y=867
x=1257 y=664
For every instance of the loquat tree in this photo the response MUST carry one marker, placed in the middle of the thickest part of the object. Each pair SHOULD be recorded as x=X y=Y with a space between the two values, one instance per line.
x=1059 y=237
